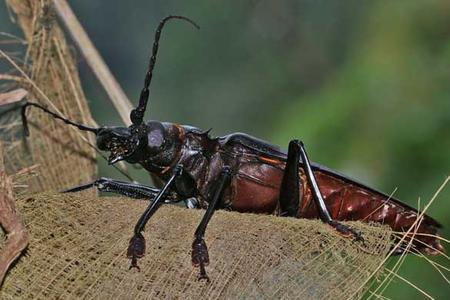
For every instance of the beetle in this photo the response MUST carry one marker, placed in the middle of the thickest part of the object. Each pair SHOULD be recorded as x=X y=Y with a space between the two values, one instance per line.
x=237 y=172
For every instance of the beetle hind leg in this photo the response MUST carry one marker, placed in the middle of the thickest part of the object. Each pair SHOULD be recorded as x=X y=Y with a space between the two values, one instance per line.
x=289 y=192
x=289 y=198
x=346 y=231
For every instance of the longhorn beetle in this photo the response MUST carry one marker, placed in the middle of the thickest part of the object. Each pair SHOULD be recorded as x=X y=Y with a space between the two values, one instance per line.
x=237 y=172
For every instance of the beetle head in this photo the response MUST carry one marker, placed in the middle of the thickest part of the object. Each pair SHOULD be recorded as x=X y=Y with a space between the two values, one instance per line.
x=133 y=143
x=140 y=142
x=121 y=142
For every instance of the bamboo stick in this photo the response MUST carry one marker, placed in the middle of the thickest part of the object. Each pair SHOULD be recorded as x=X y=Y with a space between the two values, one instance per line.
x=94 y=60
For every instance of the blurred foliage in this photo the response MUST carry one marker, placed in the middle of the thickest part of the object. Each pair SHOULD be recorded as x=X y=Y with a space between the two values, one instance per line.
x=365 y=84
x=385 y=115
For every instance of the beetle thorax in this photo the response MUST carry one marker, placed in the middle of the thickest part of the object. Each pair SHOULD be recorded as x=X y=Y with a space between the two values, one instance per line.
x=162 y=148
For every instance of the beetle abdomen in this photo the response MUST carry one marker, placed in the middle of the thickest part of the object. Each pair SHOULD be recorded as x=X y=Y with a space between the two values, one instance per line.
x=346 y=201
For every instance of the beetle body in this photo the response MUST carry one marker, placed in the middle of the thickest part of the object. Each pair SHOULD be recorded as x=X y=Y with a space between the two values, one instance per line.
x=242 y=173
x=257 y=169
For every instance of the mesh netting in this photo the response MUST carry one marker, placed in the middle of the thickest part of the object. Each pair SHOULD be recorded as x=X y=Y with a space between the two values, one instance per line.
x=15 y=151
x=78 y=242
x=78 y=250
x=55 y=148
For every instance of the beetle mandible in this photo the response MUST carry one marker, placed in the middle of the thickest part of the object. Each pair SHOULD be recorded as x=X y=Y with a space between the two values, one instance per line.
x=237 y=172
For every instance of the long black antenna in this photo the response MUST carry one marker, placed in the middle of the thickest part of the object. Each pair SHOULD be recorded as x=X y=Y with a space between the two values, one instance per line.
x=25 y=121
x=137 y=114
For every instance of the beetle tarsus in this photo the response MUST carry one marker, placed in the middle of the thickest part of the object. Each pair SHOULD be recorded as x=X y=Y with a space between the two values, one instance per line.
x=200 y=257
x=202 y=275
x=136 y=249
x=346 y=231
x=134 y=264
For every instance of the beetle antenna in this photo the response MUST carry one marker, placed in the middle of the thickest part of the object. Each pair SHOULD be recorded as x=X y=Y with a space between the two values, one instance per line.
x=137 y=114
x=56 y=116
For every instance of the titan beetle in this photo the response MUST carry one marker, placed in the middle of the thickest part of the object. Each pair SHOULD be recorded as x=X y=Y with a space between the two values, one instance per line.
x=238 y=172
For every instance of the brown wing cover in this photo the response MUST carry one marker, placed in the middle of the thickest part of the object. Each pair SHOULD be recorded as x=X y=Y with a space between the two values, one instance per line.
x=255 y=188
x=347 y=201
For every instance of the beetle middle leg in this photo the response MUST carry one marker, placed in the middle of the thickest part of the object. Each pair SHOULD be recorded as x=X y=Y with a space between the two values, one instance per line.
x=200 y=256
x=289 y=191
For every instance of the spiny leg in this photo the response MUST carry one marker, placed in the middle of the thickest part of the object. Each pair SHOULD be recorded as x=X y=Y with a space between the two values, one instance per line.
x=200 y=256
x=136 y=247
x=133 y=190
x=324 y=215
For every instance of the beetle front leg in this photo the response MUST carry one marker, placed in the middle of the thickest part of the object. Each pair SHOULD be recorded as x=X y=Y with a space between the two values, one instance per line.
x=132 y=190
x=136 y=247
x=297 y=150
x=200 y=256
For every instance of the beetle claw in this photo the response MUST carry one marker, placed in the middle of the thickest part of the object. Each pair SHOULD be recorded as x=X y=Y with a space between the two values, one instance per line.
x=202 y=275
x=134 y=264
x=200 y=257
x=136 y=249
x=346 y=231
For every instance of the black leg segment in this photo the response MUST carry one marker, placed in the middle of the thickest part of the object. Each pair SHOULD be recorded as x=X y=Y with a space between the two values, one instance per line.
x=133 y=190
x=200 y=256
x=136 y=247
x=317 y=195
x=291 y=185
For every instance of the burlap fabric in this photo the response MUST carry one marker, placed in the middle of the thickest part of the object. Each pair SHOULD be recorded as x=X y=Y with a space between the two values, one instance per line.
x=78 y=250
x=53 y=147
x=78 y=241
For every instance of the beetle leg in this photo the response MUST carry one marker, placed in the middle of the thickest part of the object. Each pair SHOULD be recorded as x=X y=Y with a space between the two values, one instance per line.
x=136 y=247
x=133 y=190
x=317 y=195
x=290 y=185
x=200 y=256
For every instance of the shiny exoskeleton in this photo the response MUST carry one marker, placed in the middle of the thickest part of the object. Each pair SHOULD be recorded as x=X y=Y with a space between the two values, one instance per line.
x=241 y=173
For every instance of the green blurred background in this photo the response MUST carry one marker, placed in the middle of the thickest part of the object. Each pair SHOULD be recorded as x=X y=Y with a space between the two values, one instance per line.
x=365 y=84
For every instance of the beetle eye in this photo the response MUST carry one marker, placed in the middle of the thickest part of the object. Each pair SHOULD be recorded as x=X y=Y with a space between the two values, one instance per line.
x=155 y=139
